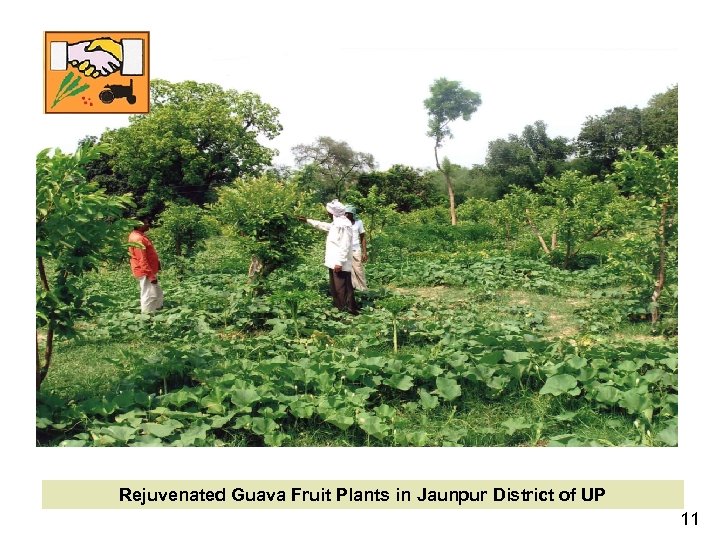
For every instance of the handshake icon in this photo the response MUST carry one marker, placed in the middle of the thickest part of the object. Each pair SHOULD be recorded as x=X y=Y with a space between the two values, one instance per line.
x=99 y=57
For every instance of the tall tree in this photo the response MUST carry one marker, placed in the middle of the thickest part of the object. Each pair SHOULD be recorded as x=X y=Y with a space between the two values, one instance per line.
x=525 y=160
x=448 y=101
x=654 y=181
x=332 y=167
x=197 y=136
x=660 y=120
x=602 y=138
x=77 y=226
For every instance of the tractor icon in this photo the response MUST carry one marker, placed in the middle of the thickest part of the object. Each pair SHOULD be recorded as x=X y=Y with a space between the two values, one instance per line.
x=117 y=91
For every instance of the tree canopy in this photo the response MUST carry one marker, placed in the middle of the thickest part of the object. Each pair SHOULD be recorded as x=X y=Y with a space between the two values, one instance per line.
x=405 y=187
x=331 y=167
x=197 y=136
x=603 y=138
x=526 y=159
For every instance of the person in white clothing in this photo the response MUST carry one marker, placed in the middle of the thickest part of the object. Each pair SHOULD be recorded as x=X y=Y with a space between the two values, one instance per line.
x=338 y=255
x=359 y=249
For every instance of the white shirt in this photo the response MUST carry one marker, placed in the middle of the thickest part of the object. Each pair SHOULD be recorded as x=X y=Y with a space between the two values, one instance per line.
x=358 y=229
x=338 y=246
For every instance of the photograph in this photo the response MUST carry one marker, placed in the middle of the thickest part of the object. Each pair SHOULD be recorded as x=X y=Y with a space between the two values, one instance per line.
x=414 y=248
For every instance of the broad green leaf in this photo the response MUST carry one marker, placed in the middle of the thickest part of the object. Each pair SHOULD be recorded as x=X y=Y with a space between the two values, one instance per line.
x=120 y=433
x=245 y=397
x=607 y=394
x=193 y=434
x=559 y=384
x=42 y=423
x=627 y=365
x=275 y=438
x=72 y=443
x=400 y=381
x=220 y=421
x=634 y=402
x=491 y=358
x=671 y=361
x=512 y=357
x=340 y=420
x=158 y=430
x=427 y=400
x=449 y=389
x=412 y=438
x=575 y=362
x=262 y=425
x=372 y=425
x=146 y=440
x=301 y=409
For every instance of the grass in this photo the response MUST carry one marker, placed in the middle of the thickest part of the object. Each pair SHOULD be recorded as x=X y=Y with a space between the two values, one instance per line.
x=89 y=370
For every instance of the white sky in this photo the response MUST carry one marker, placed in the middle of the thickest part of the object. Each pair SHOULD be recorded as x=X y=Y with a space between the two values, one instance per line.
x=358 y=71
x=362 y=77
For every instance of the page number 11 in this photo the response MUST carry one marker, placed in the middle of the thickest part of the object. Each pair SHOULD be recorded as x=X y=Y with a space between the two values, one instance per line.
x=692 y=520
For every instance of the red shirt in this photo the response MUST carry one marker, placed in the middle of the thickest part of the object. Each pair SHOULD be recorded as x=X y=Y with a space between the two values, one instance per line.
x=143 y=262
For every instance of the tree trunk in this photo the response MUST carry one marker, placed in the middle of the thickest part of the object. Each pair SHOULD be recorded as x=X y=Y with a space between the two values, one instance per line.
x=41 y=370
x=451 y=191
x=660 y=278
x=256 y=268
x=536 y=231
x=451 y=194
x=553 y=241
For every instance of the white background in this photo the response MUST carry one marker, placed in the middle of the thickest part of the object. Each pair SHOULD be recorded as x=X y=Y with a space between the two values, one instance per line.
x=622 y=36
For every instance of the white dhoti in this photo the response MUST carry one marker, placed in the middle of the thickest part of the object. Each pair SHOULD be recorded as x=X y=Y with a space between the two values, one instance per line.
x=358 y=272
x=151 y=295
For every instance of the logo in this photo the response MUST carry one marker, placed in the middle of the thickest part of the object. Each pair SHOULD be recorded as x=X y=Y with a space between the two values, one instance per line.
x=97 y=72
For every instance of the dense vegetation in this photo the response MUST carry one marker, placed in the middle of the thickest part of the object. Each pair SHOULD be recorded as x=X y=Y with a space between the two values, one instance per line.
x=547 y=315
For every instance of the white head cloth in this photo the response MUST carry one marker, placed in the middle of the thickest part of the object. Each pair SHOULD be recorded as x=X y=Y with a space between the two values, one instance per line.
x=336 y=208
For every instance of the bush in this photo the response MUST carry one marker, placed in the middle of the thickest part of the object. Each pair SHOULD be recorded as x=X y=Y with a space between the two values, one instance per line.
x=264 y=211
x=182 y=230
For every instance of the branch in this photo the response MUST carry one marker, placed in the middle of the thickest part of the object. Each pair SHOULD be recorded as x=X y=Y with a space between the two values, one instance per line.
x=43 y=276
x=536 y=231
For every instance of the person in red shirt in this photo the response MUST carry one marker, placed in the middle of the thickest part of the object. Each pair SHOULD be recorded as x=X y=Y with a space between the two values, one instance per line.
x=145 y=266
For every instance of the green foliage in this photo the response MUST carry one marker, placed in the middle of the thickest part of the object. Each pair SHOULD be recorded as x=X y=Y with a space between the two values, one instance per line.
x=77 y=226
x=181 y=233
x=376 y=211
x=231 y=367
x=660 y=120
x=582 y=209
x=653 y=181
x=448 y=101
x=603 y=137
x=265 y=212
x=525 y=160
x=197 y=136
x=436 y=215
x=404 y=187
x=331 y=167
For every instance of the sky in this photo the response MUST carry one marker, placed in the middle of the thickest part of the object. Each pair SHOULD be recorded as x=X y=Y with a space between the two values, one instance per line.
x=359 y=71
x=367 y=88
